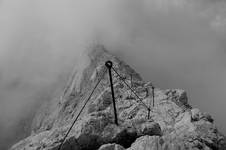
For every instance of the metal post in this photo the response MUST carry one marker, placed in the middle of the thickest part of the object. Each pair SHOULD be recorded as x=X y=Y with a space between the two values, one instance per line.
x=131 y=81
x=109 y=65
x=149 y=110
x=153 y=95
x=149 y=105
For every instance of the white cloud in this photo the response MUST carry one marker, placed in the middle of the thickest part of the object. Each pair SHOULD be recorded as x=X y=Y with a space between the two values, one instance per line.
x=172 y=39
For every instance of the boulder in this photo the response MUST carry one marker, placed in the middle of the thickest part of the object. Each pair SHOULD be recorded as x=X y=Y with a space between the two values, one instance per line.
x=150 y=128
x=195 y=114
x=198 y=115
x=145 y=143
x=111 y=147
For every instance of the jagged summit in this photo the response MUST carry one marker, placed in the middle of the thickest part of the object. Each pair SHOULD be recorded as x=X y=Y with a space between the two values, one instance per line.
x=172 y=124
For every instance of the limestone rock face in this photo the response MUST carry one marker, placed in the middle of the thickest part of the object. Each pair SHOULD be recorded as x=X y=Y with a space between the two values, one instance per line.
x=172 y=123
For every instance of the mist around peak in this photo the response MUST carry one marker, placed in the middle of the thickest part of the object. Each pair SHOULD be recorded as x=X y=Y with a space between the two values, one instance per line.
x=179 y=44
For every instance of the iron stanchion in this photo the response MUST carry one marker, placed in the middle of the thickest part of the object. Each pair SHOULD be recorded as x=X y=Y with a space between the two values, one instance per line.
x=109 y=65
x=153 y=100
x=153 y=96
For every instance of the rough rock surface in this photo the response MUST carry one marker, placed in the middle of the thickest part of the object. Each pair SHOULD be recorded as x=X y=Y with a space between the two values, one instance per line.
x=111 y=147
x=173 y=124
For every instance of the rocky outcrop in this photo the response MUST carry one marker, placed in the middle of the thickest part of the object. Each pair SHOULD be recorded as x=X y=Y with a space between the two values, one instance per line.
x=172 y=122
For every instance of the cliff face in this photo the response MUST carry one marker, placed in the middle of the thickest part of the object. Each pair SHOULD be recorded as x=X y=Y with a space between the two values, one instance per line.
x=172 y=124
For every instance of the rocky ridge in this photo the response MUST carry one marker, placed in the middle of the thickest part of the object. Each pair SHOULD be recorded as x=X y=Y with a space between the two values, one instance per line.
x=173 y=124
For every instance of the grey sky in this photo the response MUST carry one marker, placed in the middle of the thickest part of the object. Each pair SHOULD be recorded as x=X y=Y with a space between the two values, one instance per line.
x=174 y=43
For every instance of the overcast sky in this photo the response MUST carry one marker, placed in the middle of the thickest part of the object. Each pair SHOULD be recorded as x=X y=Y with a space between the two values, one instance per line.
x=173 y=43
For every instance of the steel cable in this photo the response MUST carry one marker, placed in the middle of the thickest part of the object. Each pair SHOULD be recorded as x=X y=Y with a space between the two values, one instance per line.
x=131 y=89
x=98 y=82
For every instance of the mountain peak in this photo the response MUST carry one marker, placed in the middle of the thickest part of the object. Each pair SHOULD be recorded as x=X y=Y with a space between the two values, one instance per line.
x=97 y=50
x=170 y=124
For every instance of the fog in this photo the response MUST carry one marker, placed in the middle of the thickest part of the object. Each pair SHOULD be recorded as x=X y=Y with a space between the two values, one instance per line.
x=173 y=43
